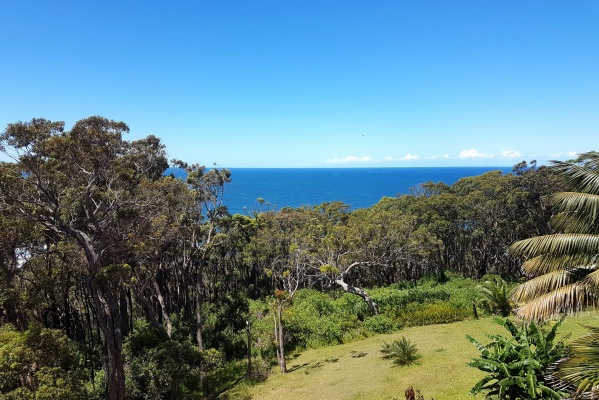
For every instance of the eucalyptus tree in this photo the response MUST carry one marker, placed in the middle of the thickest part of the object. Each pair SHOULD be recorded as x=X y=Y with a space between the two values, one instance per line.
x=83 y=184
x=563 y=266
x=203 y=230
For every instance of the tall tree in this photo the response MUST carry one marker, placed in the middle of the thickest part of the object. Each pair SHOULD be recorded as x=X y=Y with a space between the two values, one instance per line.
x=83 y=184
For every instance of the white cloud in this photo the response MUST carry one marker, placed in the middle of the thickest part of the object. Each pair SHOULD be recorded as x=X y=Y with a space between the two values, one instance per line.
x=572 y=154
x=407 y=157
x=473 y=153
x=444 y=157
x=511 y=153
x=348 y=159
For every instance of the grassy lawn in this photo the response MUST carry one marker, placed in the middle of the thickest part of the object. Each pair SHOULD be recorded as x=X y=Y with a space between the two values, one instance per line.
x=357 y=371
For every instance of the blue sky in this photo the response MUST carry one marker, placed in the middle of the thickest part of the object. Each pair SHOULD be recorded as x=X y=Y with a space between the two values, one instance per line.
x=314 y=83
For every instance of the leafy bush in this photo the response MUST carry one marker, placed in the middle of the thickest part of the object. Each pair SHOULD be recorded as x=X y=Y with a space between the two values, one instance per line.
x=516 y=366
x=392 y=301
x=158 y=368
x=427 y=314
x=495 y=294
x=381 y=324
x=40 y=363
x=314 y=321
x=402 y=352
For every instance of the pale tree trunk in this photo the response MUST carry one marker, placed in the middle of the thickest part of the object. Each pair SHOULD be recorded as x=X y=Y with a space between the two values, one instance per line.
x=281 y=350
x=248 y=327
x=359 y=292
x=165 y=316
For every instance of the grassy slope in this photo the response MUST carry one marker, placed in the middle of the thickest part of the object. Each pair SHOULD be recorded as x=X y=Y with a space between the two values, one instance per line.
x=357 y=371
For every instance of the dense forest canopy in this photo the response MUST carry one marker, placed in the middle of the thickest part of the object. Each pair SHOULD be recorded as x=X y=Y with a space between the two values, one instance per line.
x=122 y=267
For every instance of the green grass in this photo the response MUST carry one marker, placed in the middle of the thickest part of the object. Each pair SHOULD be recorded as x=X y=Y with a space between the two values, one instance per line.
x=357 y=370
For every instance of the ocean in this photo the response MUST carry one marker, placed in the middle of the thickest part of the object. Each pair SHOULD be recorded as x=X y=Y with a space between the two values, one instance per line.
x=356 y=187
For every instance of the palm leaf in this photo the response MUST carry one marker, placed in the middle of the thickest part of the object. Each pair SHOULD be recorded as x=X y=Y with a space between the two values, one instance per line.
x=550 y=263
x=574 y=222
x=542 y=285
x=560 y=244
x=567 y=299
x=583 y=176
x=581 y=369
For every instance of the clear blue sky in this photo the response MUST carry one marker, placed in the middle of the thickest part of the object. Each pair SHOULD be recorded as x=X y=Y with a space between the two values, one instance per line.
x=314 y=83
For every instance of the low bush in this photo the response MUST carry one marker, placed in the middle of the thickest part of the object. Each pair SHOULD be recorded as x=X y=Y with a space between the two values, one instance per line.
x=401 y=352
x=158 y=368
x=427 y=314
x=41 y=364
x=381 y=324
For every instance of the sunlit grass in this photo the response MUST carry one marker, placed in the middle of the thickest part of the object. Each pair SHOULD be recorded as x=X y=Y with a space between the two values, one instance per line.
x=357 y=370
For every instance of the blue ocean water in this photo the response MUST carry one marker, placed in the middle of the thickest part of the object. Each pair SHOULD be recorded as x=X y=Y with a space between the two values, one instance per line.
x=357 y=187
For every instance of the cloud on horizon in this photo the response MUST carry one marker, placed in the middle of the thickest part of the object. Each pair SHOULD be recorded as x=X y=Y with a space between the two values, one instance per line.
x=473 y=153
x=349 y=159
x=511 y=153
x=407 y=157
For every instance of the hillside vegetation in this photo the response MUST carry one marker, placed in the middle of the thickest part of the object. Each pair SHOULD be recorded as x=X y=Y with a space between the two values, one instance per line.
x=357 y=371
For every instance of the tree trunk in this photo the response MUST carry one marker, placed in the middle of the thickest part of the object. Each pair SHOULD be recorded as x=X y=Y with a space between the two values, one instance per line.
x=107 y=310
x=248 y=327
x=199 y=328
x=359 y=292
x=281 y=352
x=165 y=316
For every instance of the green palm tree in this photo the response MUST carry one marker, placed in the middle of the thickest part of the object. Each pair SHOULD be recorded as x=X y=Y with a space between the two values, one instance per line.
x=563 y=266
x=565 y=274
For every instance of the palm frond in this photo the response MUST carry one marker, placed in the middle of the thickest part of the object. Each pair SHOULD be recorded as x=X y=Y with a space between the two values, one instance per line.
x=584 y=176
x=549 y=263
x=566 y=299
x=579 y=371
x=591 y=281
x=561 y=244
x=542 y=285
x=579 y=211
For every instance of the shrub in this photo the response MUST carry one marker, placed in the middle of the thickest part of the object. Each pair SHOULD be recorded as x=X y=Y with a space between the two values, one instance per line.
x=495 y=294
x=158 y=368
x=427 y=314
x=40 y=363
x=381 y=324
x=516 y=366
x=402 y=352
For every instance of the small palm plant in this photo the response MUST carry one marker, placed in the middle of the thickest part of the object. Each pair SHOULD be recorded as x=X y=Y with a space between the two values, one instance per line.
x=495 y=293
x=402 y=352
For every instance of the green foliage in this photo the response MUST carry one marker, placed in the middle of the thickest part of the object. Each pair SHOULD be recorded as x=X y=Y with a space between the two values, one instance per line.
x=495 y=294
x=40 y=364
x=579 y=371
x=381 y=324
x=162 y=369
x=315 y=321
x=224 y=325
x=402 y=352
x=392 y=301
x=437 y=313
x=516 y=365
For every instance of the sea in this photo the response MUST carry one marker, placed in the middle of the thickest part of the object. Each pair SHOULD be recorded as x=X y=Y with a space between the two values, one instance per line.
x=259 y=189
